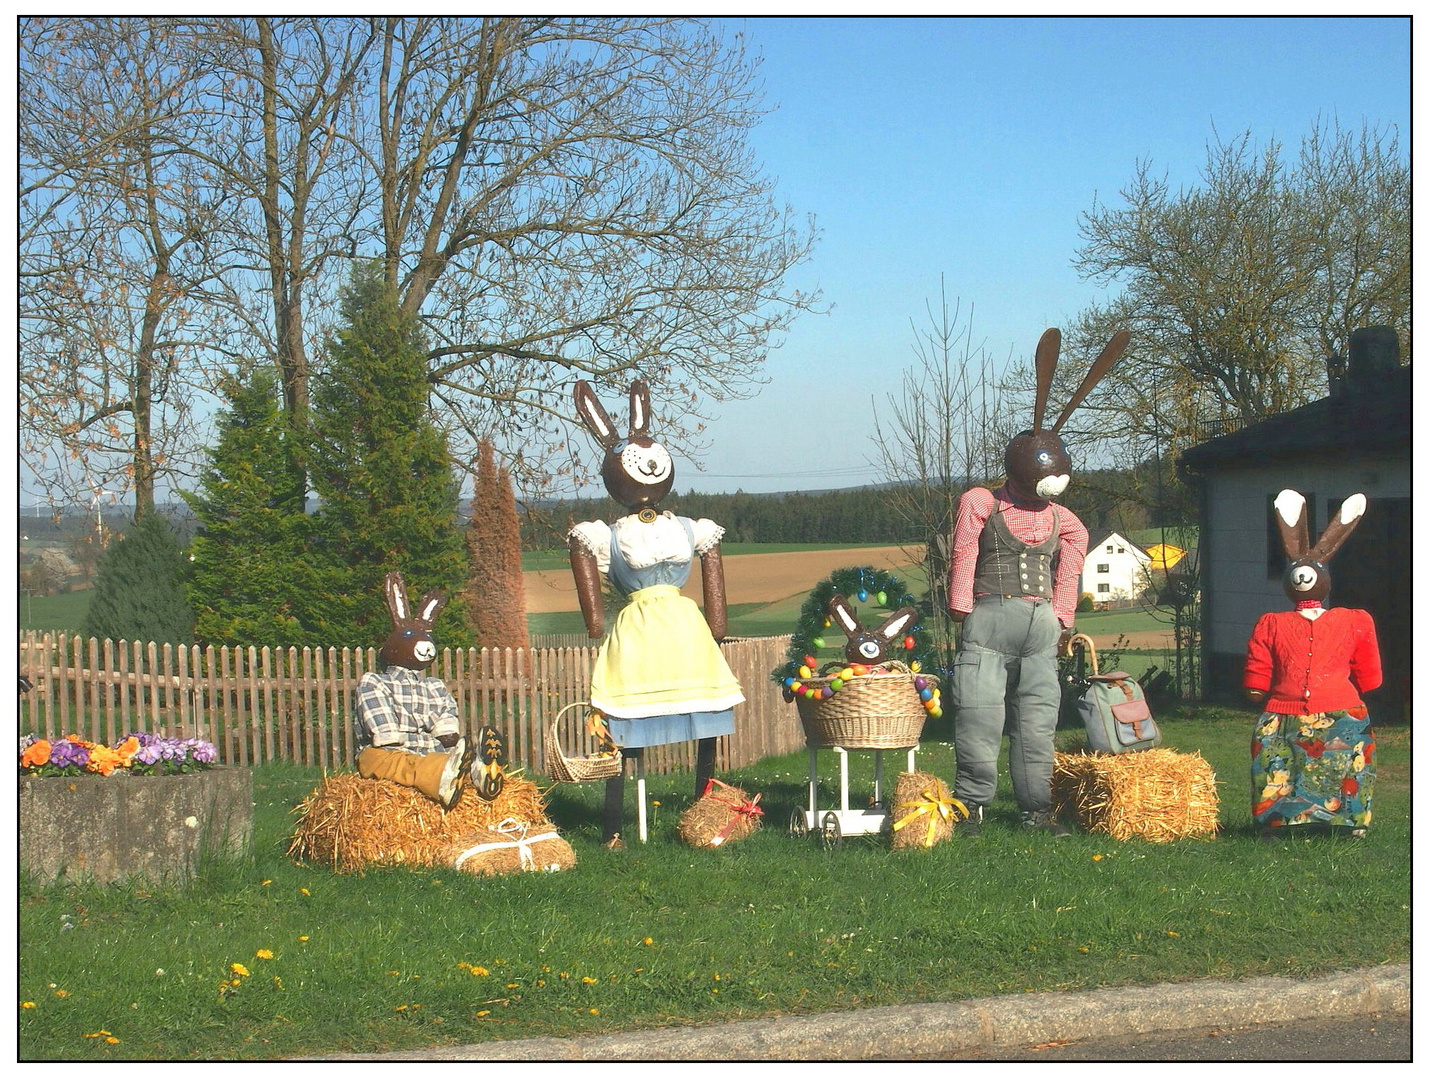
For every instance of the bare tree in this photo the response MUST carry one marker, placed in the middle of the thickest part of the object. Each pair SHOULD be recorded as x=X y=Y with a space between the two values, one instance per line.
x=944 y=432
x=116 y=274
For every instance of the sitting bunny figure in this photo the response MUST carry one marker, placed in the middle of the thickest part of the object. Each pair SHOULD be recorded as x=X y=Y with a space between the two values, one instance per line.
x=1313 y=749
x=406 y=723
x=660 y=677
x=865 y=646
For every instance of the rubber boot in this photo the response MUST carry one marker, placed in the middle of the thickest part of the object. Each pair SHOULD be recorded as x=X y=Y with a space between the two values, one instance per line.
x=704 y=764
x=438 y=776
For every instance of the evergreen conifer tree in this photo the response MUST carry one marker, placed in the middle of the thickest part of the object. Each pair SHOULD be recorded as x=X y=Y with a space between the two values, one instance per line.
x=139 y=590
x=383 y=474
x=252 y=580
x=496 y=591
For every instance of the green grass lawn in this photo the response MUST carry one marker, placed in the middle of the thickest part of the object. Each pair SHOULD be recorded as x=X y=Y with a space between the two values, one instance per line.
x=63 y=613
x=663 y=934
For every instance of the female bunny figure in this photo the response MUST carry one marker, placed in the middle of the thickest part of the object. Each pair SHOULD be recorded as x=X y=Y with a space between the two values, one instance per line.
x=1313 y=750
x=660 y=677
x=406 y=724
x=1016 y=556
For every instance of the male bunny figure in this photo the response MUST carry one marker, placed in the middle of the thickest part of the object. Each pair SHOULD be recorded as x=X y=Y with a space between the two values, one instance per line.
x=1013 y=580
x=660 y=676
x=406 y=723
x=1313 y=750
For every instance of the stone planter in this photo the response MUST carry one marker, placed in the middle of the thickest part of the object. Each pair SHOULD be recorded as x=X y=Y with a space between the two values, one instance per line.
x=108 y=828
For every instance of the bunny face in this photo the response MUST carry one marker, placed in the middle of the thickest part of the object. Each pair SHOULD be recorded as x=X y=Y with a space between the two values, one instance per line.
x=868 y=646
x=410 y=643
x=637 y=470
x=1307 y=578
x=1037 y=464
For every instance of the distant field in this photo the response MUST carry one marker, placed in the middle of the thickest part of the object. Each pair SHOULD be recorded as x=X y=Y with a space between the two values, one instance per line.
x=560 y=558
x=62 y=613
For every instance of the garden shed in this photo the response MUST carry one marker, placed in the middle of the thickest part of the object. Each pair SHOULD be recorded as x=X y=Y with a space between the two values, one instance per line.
x=1356 y=439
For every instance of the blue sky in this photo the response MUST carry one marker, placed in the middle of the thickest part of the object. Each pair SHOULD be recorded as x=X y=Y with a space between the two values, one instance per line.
x=967 y=148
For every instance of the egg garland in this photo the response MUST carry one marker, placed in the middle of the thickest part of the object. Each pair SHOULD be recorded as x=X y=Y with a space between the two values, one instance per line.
x=865 y=584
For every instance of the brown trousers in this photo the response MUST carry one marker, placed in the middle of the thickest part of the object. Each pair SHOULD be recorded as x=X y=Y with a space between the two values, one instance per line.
x=420 y=771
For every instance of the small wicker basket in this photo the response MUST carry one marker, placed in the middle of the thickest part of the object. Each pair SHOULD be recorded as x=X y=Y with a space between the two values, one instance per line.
x=567 y=770
x=878 y=711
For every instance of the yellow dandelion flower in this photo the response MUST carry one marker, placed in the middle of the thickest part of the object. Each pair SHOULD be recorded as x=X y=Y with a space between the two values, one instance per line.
x=238 y=969
x=594 y=1012
x=564 y=974
x=1097 y=858
x=478 y=970
x=264 y=954
x=400 y=1008
x=485 y=1012
x=111 y=1040
x=512 y=986
x=27 y=1004
x=302 y=937
x=1173 y=933
x=587 y=979
x=236 y=982
x=305 y=892
x=268 y=882
x=277 y=983
x=540 y=982
x=647 y=941
x=62 y=993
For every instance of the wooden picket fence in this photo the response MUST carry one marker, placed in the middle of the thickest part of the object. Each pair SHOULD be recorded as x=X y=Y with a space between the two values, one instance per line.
x=263 y=704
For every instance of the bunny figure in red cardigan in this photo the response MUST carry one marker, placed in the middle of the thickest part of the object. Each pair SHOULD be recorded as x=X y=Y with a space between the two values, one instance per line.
x=1313 y=754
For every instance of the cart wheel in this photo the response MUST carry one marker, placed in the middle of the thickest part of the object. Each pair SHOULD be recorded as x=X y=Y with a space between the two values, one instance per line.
x=798 y=824
x=831 y=832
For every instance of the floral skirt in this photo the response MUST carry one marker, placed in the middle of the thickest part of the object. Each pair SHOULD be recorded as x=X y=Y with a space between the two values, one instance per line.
x=1313 y=769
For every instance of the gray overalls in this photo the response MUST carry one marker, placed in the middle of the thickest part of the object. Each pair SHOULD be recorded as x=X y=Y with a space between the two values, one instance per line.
x=1006 y=668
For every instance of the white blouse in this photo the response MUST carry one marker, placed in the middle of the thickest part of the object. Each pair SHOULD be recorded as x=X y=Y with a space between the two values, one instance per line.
x=642 y=544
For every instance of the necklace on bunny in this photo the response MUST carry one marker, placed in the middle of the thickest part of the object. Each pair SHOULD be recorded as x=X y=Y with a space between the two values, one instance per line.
x=646 y=514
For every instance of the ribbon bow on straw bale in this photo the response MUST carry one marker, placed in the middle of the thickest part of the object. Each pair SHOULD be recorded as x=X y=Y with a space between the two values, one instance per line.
x=937 y=808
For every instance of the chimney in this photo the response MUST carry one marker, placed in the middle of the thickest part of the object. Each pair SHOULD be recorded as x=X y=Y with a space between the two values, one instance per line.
x=1374 y=358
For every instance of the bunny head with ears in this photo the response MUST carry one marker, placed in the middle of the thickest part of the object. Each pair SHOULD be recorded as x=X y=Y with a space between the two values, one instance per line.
x=410 y=644
x=868 y=646
x=637 y=470
x=1307 y=577
x=1036 y=461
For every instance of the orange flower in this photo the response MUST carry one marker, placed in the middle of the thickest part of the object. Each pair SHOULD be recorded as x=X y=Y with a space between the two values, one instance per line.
x=37 y=753
x=126 y=751
x=103 y=760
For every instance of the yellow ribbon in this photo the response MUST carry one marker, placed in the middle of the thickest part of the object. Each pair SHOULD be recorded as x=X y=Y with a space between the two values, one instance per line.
x=937 y=808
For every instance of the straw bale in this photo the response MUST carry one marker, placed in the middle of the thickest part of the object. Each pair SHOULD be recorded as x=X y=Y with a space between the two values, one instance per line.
x=713 y=820
x=505 y=851
x=1158 y=795
x=349 y=823
x=922 y=798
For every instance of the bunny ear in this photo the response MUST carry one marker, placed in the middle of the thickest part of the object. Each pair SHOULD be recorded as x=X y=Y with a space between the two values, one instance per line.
x=1291 y=521
x=1340 y=527
x=1100 y=367
x=839 y=610
x=1045 y=360
x=640 y=408
x=396 y=591
x=432 y=603
x=593 y=414
x=894 y=625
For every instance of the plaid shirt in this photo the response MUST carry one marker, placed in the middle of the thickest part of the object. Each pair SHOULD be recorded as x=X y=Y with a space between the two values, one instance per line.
x=402 y=709
x=975 y=507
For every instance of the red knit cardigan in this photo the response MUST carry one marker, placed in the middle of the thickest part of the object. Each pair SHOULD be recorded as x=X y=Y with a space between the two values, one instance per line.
x=1313 y=665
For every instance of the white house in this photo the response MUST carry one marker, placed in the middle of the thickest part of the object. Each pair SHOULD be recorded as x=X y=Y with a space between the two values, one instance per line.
x=1114 y=569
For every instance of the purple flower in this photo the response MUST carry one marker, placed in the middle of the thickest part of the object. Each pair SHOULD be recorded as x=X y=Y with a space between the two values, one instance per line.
x=202 y=752
x=63 y=752
x=26 y=741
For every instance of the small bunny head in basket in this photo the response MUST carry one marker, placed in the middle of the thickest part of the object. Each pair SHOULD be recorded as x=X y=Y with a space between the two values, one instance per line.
x=1036 y=461
x=637 y=470
x=868 y=647
x=1307 y=578
x=410 y=644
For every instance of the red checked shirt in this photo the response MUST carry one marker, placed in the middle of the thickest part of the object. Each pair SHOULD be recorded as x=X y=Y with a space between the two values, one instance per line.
x=1312 y=666
x=1029 y=525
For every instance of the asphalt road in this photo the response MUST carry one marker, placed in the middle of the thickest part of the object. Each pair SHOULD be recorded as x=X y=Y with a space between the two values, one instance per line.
x=1356 y=1038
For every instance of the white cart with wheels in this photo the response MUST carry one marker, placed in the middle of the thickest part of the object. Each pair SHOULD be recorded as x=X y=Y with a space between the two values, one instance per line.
x=832 y=826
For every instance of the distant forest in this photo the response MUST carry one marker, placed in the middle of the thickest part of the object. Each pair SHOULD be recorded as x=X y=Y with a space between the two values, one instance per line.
x=1124 y=500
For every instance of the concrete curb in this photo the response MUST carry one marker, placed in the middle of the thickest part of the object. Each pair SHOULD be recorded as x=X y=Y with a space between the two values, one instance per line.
x=923 y=1031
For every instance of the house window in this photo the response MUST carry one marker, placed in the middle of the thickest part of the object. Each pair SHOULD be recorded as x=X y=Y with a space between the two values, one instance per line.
x=1109 y=549
x=1103 y=568
x=1104 y=587
x=1276 y=561
x=1121 y=550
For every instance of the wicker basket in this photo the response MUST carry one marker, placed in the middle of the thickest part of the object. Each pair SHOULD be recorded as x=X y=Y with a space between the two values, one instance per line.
x=568 y=770
x=878 y=711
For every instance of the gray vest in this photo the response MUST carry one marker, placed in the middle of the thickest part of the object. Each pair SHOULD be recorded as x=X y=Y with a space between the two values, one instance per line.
x=1009 y=567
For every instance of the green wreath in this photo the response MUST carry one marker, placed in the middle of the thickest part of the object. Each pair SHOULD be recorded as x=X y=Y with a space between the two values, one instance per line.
x=860 y=585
